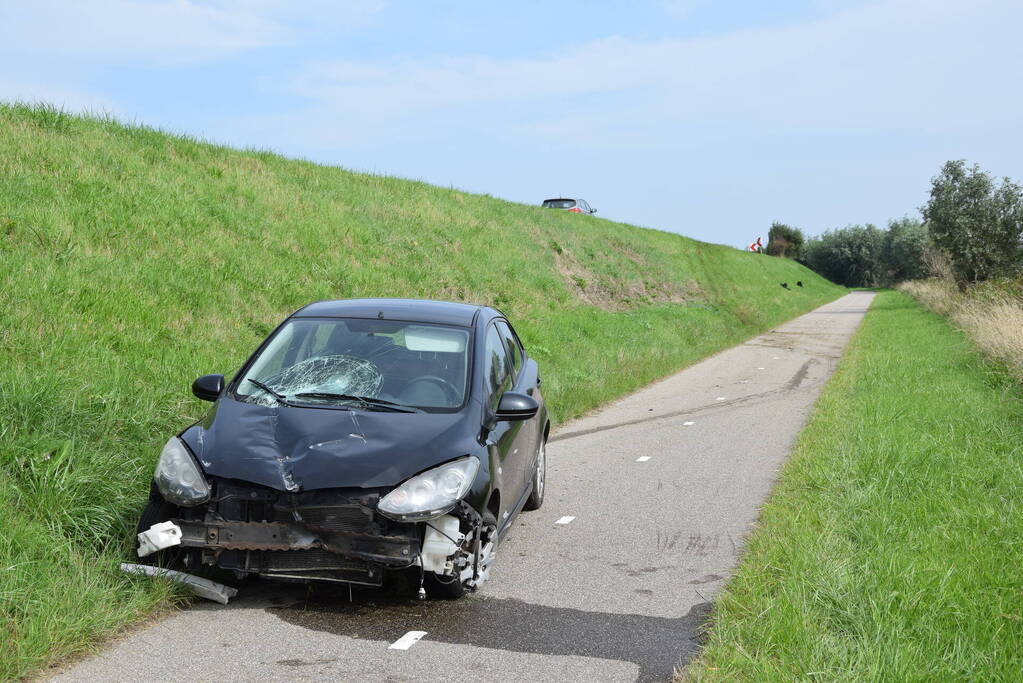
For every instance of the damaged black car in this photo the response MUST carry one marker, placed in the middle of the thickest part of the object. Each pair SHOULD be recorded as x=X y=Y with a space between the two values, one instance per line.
x=364 y=439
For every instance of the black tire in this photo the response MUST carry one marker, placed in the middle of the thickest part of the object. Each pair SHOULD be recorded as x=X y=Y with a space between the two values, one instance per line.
x=446 y=588
x=156 y=511
x=449 y=588
x=535 y=499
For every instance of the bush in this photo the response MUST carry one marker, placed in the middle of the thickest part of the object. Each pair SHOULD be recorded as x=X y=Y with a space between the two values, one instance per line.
x=977 y=225
x=905 y=246
x=785 y=241
x=852 y=256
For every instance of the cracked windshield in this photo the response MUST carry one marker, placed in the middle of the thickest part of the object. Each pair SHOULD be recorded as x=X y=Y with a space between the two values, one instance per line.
x=371 y=364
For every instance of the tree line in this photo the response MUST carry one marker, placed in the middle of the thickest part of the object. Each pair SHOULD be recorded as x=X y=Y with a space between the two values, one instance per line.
x=971 y=230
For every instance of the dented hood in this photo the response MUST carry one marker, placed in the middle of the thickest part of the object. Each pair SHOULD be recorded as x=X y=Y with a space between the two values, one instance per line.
x=302 y=449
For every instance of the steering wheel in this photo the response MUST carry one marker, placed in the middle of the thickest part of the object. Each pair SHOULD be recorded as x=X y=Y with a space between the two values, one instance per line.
x=454 y=397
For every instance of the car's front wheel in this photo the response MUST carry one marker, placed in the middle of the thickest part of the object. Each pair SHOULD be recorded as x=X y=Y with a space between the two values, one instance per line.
x=452 y=587
x=539 y=479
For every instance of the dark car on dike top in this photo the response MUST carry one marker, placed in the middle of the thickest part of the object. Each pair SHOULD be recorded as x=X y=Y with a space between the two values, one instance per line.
x=365 y=441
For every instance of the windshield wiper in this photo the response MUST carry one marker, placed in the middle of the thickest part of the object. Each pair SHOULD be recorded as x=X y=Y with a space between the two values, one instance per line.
x=280 y=397
x=365 y=400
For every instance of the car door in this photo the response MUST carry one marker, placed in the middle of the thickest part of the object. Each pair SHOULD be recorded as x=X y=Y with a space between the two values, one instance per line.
x=523 y=382
x=502 y=438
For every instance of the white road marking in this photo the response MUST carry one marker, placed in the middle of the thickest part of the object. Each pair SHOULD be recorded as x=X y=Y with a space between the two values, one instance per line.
x=565 y=520
x=407 y=640
x=688 y=424
x=643 y=458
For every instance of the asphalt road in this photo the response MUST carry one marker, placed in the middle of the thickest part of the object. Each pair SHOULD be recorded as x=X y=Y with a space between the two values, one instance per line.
x=616 y=594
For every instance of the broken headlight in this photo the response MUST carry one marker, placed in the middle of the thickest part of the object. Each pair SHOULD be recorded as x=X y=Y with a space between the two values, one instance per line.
x=178 y=477
x=432 y=493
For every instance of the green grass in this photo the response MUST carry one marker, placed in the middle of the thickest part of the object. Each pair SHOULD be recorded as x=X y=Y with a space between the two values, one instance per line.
x=892 y=547
x=132 y=261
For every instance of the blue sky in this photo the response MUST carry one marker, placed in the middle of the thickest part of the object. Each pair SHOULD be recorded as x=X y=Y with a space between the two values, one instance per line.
x=708 y=118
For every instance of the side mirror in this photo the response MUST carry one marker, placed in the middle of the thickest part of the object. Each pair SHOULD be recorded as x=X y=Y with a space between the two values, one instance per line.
x=208 y=387
x=515 y=406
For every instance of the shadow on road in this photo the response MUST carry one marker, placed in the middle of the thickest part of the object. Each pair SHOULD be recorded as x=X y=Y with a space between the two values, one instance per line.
x=657 y=645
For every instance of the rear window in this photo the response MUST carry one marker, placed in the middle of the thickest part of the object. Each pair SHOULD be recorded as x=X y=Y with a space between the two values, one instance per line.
x=559 y=203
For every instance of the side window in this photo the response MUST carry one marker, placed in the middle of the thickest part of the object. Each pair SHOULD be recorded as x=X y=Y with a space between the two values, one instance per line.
x=496 y=369
x=512 y=345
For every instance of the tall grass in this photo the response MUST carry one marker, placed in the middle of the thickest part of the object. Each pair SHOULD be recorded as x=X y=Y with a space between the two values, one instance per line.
x=132 y=261
x=991 y=313
x=890 y=550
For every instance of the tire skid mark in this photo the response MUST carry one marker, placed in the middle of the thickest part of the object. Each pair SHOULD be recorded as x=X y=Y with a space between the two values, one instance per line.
x=793 y=384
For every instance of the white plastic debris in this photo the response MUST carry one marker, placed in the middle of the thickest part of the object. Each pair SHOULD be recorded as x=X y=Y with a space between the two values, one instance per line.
x=439 y=545
x=407 y=640
x=158 y=537
x=204 y=588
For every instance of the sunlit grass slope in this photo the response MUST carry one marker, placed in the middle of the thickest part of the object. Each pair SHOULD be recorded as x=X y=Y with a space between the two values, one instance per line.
x=891 y=548
x=132 y=261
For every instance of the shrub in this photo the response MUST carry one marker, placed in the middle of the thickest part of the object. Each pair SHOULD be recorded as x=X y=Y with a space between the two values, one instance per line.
x=852 y=256
x=979 y=226
x=785 y=241
x=905 y=245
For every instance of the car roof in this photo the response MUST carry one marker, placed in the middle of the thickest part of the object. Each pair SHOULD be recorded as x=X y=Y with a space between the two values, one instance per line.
x=412 y=310
x=561 y=199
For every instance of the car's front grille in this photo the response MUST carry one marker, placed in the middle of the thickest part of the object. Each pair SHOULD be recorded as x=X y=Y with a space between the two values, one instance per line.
x=314 y=564
x=348 y=518
x=274 y=560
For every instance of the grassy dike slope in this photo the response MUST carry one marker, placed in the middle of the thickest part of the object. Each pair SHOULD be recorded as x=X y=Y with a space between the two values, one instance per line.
x=132 y=261
x=892 y=547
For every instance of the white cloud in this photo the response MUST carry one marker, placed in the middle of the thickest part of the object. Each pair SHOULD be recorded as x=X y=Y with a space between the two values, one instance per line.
x=903 y=63
x=162 y=31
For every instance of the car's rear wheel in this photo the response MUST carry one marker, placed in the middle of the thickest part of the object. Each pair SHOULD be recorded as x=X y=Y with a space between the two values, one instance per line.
x=535 y=499
x=451 y=587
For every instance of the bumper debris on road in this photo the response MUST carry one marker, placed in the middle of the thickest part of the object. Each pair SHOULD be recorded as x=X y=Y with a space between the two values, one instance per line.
x=204 y=588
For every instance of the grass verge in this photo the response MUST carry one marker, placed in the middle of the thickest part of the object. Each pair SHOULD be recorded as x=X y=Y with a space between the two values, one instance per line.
x=991 y=314
x=891 y=547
